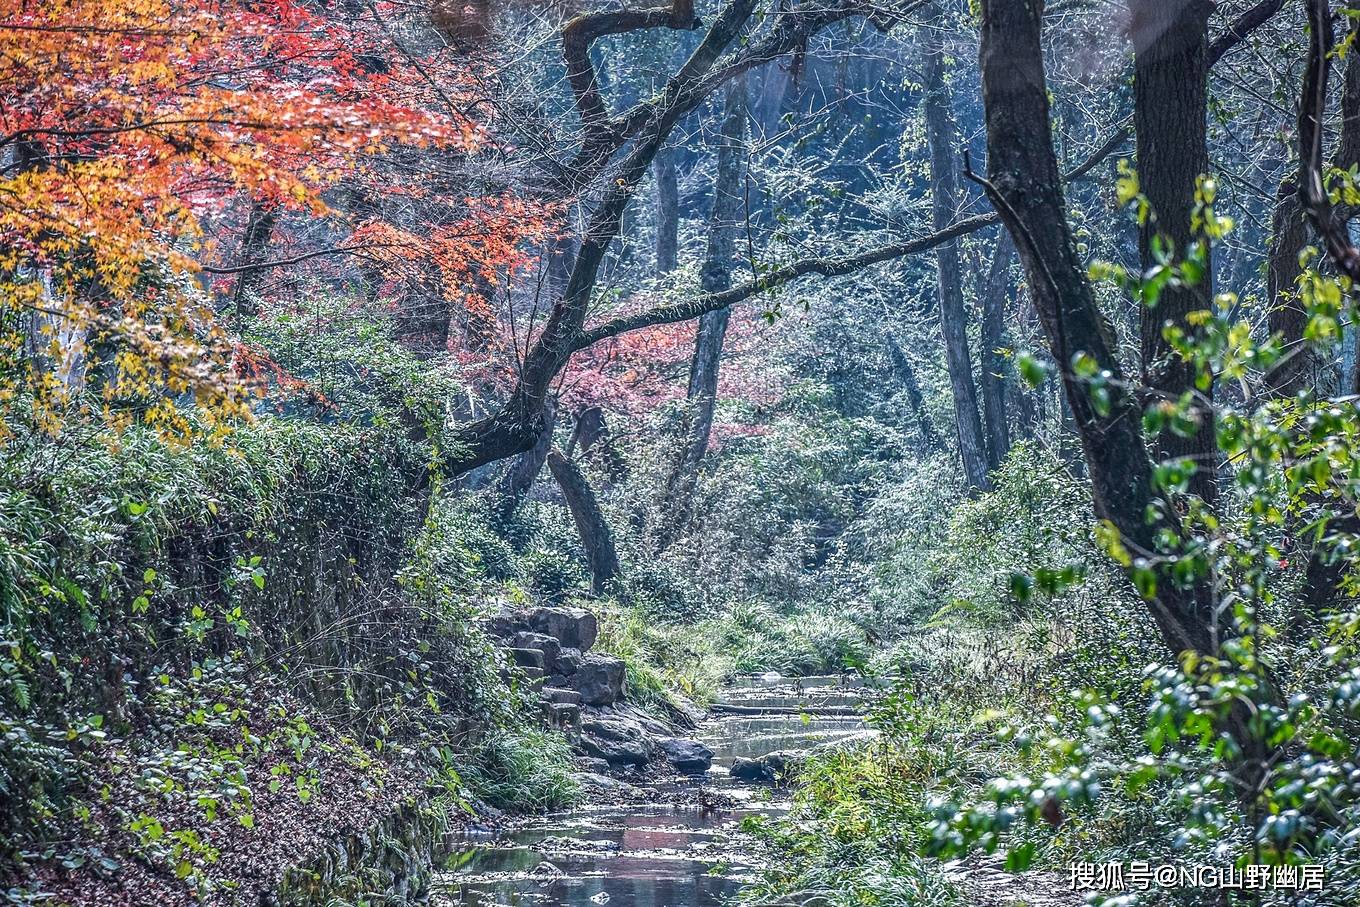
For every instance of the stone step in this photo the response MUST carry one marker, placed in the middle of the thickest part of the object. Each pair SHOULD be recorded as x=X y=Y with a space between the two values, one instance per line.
x=561 y=695
x=562 y=714
x=548 y=645
x=528 y=658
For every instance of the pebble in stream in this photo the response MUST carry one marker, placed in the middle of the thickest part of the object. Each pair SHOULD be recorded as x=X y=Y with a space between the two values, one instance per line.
x=653 y=853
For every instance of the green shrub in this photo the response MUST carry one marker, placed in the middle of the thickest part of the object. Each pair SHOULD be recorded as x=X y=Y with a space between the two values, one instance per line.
x=662 y=659
x=525 y=770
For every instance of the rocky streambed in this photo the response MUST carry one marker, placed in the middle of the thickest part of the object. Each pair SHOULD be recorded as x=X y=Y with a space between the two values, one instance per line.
x=661 y=822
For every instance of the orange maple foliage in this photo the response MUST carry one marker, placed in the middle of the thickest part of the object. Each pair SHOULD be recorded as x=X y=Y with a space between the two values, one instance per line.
x=123 y=124
x=469 y=255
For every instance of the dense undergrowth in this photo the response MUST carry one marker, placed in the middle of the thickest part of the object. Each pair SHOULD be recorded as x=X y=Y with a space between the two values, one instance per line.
x=217 y=654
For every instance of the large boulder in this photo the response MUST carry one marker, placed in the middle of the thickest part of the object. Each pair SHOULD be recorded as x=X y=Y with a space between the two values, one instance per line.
x=599 y=680
x=688 y=756
x=544 y=643
x=576 y=628
x=617 y=741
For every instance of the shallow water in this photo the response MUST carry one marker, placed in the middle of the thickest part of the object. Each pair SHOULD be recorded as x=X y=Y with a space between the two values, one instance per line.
x=655 y=854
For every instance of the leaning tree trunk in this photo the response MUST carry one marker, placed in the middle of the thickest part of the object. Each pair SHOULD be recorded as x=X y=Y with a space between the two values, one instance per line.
x=591 y=434
x=943 y=140
x=996 y=294
x=667 y=211
x=520 y=477
x=1170 y=89
x=1325 y=570
x=724 y=221
x=1302 y=368
x=596 y=538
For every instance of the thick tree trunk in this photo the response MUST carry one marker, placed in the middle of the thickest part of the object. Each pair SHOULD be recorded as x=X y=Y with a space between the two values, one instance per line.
x=943 y=140
x=1170 y=88
x=596 y=538
x=667 y=211
x=1026 y=189
x=996 y=295
x=930 y=438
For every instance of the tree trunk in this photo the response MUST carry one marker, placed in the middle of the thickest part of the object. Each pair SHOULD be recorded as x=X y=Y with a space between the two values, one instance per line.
x=994 y=299
x=725 y=217
x=724 y=221
x=1025 y=186
x=930 y=438
x=259 y=229
x=943 y=140
x=519 y=478
x=596 y=538
x=667 y=211
x=1289 y=234
x=1302 y=367
x=1170 y=89
x=591 y=434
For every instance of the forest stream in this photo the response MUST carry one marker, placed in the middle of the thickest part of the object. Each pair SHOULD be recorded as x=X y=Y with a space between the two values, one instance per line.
x=680 y=847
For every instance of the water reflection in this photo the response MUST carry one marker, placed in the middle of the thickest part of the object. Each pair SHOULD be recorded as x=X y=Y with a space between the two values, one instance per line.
x=653 y=855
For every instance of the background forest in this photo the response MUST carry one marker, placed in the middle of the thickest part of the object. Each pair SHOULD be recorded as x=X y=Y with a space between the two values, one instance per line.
x=1001 y=352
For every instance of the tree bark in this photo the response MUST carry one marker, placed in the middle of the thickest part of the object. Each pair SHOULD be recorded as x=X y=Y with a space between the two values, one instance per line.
x=702 y=395
x=667 y=211
x=1170 y=89
x=519 y=478
x=591 y=434
x=1289 y=234
x=1325 y=570
x=995 y=296
x=596 y=538
x=942 y=138
x=1025 y=187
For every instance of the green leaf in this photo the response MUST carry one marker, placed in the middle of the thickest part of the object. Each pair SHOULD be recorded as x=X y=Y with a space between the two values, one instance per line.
x=1031 y=370
x=1019 y=859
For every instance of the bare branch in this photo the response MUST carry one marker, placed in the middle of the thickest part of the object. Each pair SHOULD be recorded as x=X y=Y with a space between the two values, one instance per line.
x=828 y=266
